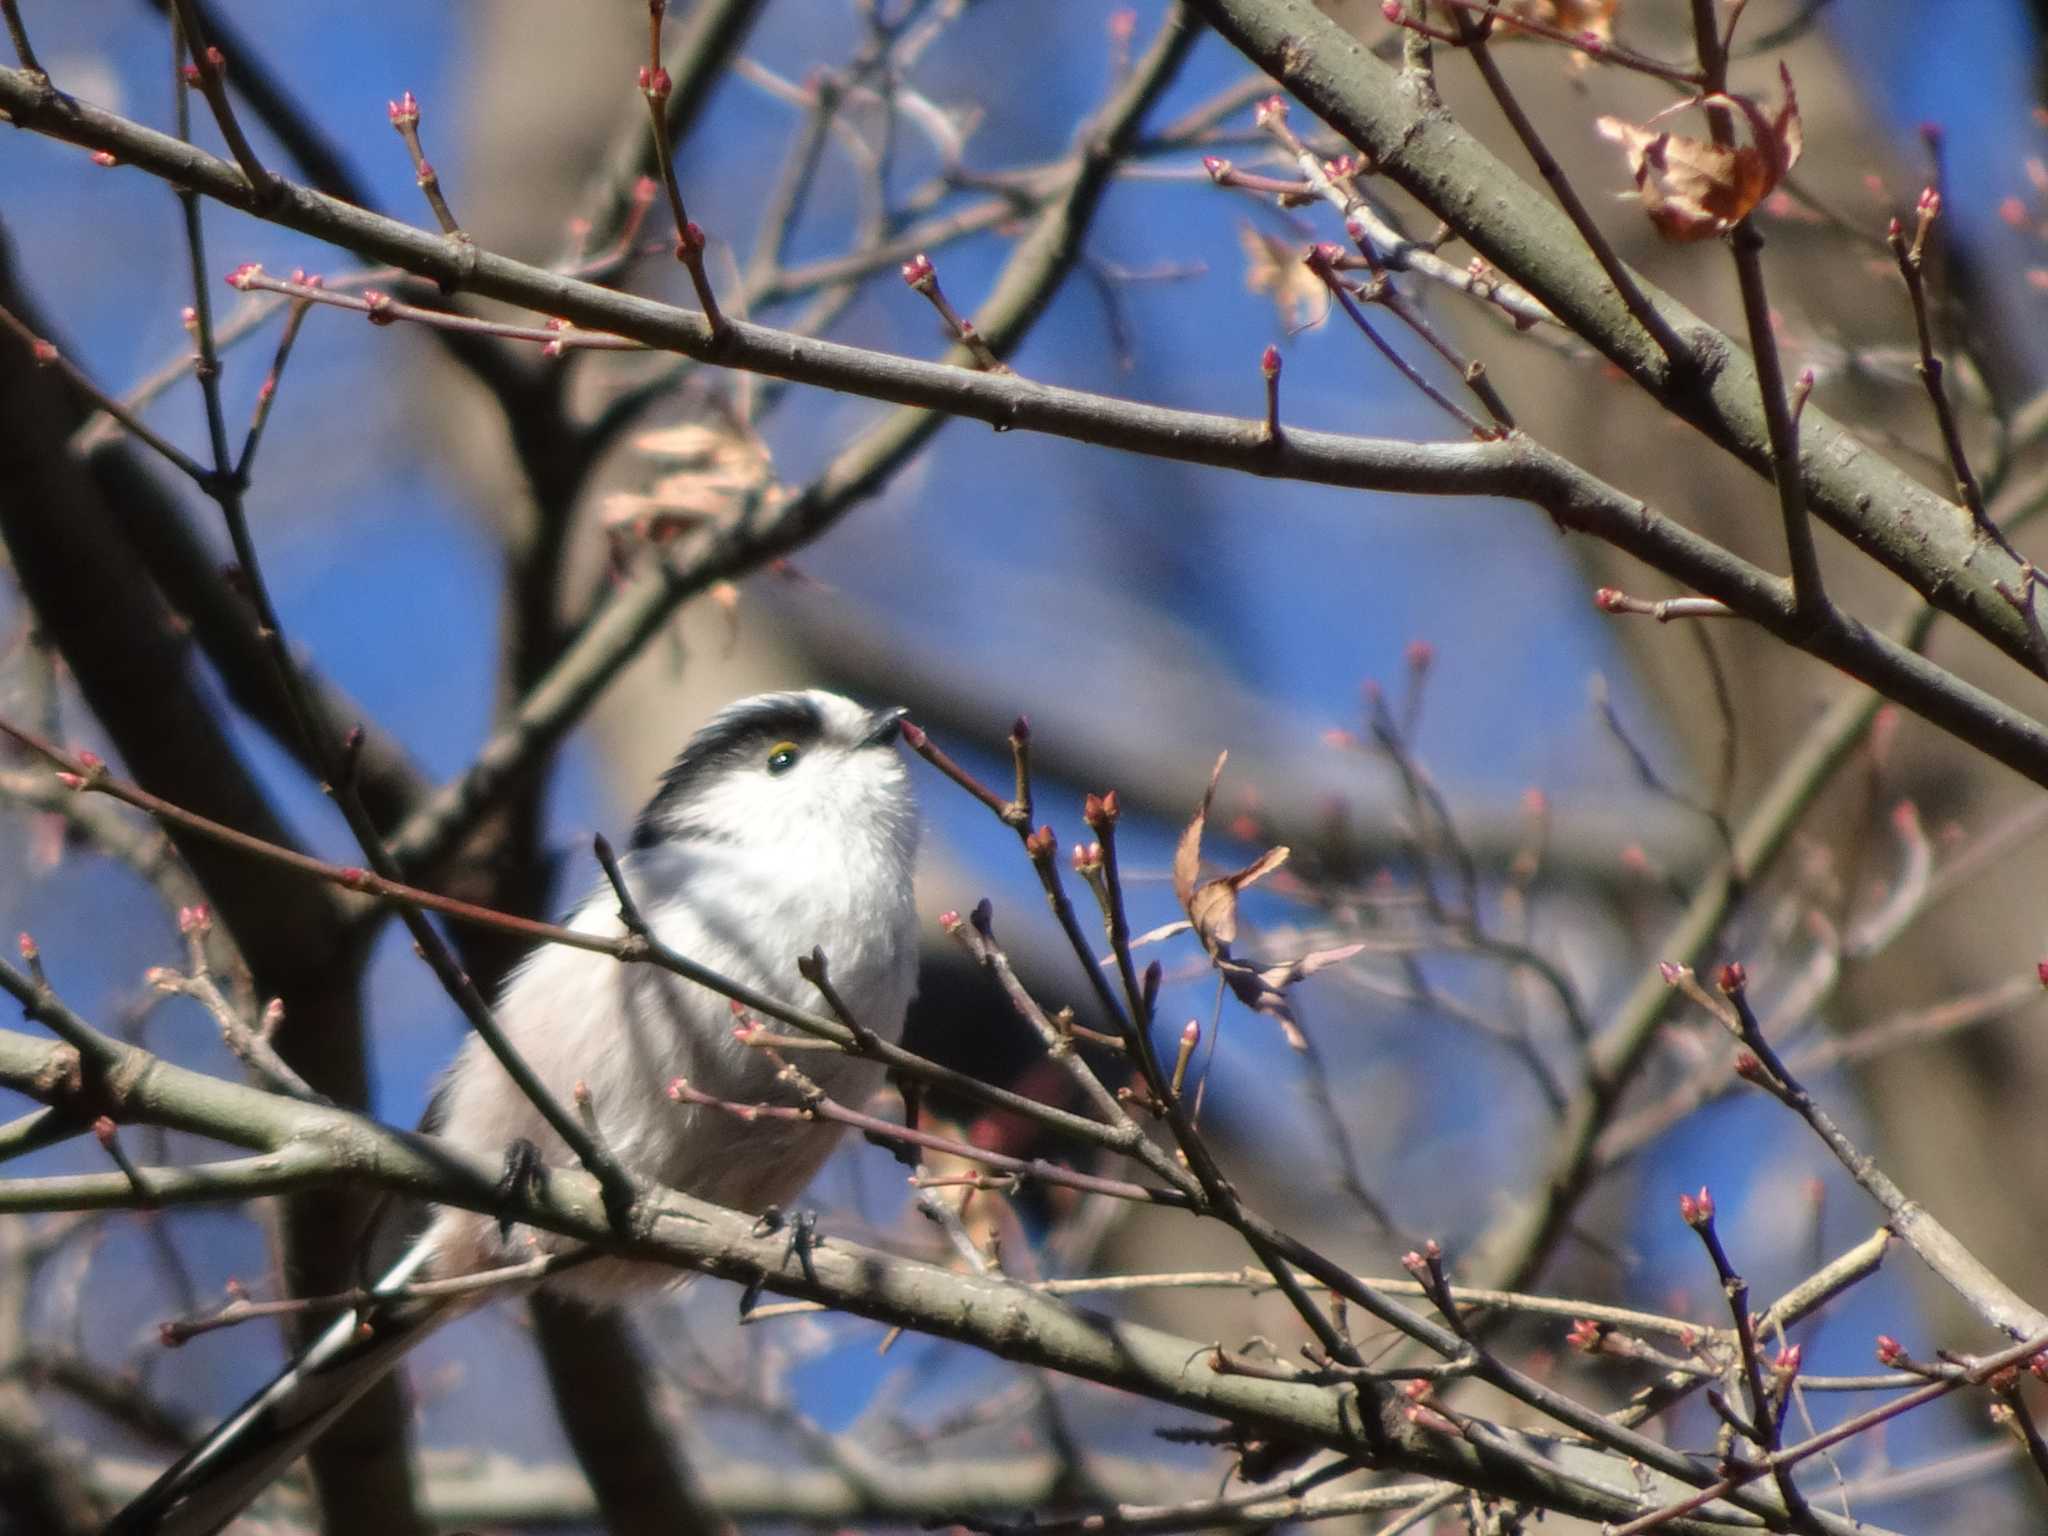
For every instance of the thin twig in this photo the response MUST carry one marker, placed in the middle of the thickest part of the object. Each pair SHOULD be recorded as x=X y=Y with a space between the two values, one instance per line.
x=208 y=71
x=405 y=118
x=818 y=1106
x=1911 y=261
x=1473 y=37
x=1958 y=1267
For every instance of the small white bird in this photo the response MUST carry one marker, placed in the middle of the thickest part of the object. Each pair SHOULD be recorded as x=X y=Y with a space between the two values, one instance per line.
x=787 y=823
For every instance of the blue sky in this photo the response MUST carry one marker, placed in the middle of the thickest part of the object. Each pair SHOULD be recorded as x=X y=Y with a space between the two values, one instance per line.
x=1297 y=593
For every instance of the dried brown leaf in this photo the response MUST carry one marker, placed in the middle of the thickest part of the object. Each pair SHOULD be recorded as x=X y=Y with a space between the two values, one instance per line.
x=1163 y=931
x=1211 y=906
x=1275 y=267
x=717 y=469
x=1288 y=973
x=1581 y=18
x=1187 y=856
x=1693 y=189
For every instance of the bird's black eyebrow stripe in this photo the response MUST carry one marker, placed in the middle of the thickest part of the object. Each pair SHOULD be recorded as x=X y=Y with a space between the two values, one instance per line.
x=736 y=733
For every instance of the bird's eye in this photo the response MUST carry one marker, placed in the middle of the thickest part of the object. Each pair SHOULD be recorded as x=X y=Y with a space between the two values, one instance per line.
x=782 y=756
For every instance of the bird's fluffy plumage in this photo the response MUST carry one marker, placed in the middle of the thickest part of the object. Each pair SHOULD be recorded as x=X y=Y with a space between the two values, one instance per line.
x=743 y=871
x=786 y=823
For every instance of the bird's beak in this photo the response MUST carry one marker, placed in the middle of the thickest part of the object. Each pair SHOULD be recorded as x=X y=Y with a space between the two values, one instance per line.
x=884 y=726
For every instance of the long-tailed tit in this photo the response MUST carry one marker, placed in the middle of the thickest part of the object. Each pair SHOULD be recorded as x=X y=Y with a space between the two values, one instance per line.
x=786 y=823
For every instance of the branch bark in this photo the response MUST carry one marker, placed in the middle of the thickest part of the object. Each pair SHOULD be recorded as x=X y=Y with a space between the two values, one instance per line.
x=996 y=1315
x=1843 y=475
x=1925 y=540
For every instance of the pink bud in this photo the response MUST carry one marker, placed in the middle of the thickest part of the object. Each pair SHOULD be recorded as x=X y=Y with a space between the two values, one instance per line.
x=104 y=157
x=1269 y=362
x=1732 y=977
x=918 y=271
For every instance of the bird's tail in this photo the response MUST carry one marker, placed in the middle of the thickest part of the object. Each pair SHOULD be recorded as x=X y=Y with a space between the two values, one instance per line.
x=220 y=1476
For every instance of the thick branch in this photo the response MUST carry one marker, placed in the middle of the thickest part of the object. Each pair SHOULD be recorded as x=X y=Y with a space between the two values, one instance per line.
x=1839 y=467
x=996 y=1315
x=1416 y=144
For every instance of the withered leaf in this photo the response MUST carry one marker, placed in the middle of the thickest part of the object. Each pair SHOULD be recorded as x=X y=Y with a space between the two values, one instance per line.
x=1580 y=18
x=1276 y=268
x=1694 y=189
x=717 y=470
x=1211 y=906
